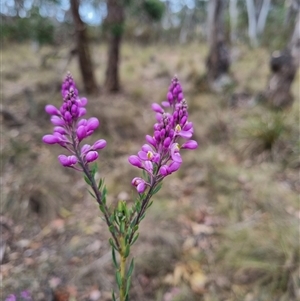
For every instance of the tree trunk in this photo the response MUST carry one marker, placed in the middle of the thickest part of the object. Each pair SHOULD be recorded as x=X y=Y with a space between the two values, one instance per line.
x=115 y=25
x=218 y=61
x=252 y=31
x=262 y=18
x=85 y=61
x=284 y=66
x=233 y=12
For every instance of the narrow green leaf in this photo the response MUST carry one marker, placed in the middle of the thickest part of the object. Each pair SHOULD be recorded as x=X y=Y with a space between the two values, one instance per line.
x=127 y=251
x=111 y=242
x=113 y=296
x=133 y=223
x=101 y=181
x=104 y=199
x=130 y=270
x=122 y=227
x=119 y=279
x=87 y=180
x=94 y=169
x=112 y=229
x=128 y=286
x=127 y=298
x=156 y=189
x=138 y=205
x=135 y=237
x=104 y=191
x=101 y=207
x=91 y=194
x=149 y=205
x=114 y=258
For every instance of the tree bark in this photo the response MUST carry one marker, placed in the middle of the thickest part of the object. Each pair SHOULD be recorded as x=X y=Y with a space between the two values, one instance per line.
x=84 y=56
x=115 y=25
x=262 y=18
x=252 y=31
x=284 y=66
x=218 y=61
x=233 y=12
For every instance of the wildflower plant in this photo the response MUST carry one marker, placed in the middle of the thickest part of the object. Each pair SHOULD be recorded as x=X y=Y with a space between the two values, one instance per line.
x=157 y=159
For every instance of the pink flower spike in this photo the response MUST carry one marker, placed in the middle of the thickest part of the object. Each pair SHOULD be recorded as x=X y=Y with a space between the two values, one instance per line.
x=191 y=144
x=91 y=156
x=52 y=110
x=135 y=161
x=157 y=108
x=92 y=123
x=99 y=144
x=50 y=139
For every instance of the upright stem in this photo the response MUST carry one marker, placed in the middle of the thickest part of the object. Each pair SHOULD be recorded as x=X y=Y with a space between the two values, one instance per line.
x=123 y=278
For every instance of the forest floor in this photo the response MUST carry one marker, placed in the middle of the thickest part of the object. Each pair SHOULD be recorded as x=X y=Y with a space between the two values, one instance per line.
x=225 y=227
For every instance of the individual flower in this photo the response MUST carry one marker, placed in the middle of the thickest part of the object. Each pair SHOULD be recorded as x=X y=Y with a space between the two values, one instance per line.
x=70 y=128
x=161 y=156
x=11 y=298
x=26 y=295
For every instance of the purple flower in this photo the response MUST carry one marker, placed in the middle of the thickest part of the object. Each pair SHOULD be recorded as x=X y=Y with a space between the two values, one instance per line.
x=140 y=184
x=11 y=298
x=161 y=157
x=26 y=295
x=135 y=161
x=67 y=160
x=91 y=156
x=70 y=129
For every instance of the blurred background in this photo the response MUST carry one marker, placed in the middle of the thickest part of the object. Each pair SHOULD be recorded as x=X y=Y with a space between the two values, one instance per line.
x=226 y=226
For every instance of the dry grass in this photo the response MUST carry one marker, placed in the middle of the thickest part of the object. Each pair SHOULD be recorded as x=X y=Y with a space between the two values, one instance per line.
x=224 y=228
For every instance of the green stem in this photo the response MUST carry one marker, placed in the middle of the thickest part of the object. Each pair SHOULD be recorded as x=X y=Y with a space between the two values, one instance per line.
x=123 y=278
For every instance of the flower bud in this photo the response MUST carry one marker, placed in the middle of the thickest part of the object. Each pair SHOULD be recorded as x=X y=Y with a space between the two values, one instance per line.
x=50 y=139
x=91 y=156
x=99 y=144
x=135 y=161
x=52 y=110
x=55 y=120
x=92 y=123
x=157 y=108
x=81 y=132
x=191 y=144
x=67 y=161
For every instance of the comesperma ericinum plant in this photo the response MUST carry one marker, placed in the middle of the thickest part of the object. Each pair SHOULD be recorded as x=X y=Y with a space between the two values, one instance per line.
x=157 y=159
